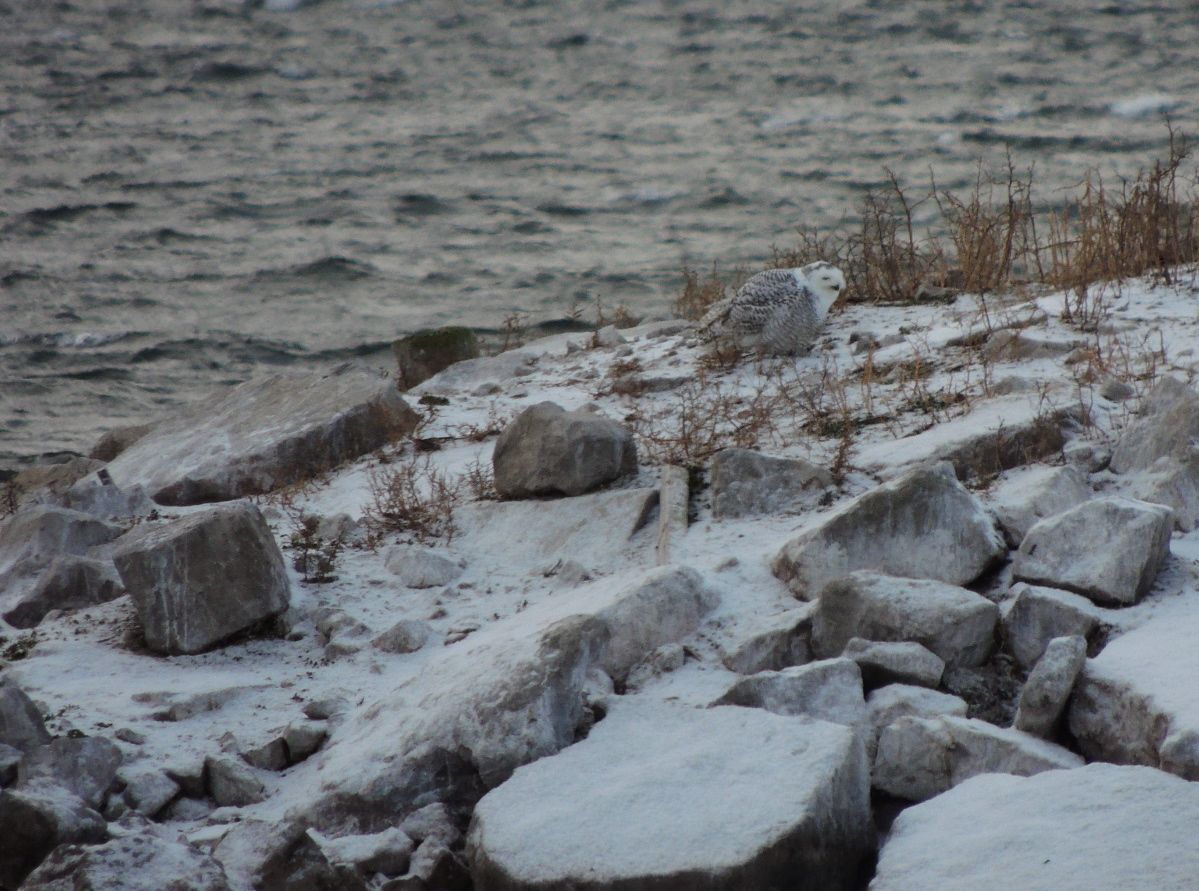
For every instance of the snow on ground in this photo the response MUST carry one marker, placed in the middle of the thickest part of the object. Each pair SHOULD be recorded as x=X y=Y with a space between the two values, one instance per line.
x=926 y=385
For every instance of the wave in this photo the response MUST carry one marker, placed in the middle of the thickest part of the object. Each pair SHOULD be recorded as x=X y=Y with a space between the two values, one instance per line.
x=65 y=339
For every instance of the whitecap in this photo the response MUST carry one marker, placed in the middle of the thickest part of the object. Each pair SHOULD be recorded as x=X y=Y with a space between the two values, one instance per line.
x=1143 y=105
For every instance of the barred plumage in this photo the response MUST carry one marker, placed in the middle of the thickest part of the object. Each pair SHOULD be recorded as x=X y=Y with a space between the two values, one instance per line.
x=778 y=311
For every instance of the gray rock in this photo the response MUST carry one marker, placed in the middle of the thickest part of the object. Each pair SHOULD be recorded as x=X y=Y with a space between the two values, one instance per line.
x=70 y=582
x=385 y=852
x=1022 y=499
x=21 y=724
x=888 y=704
x=547 y=450
x=1134 y=703
x=33 y=537
x=270 y=755
x=1090 y=457
x=773 y=643
x=35 y=821
x=1043 y=699
x=1168 y=427
x=918 y=758
x=789 y=806
x=405 y=636
x=955 y=624
x=922 y=525
x=485 y=371
x=46 y=483
x=433 y=822
x=1172 y=482
x=10 y=759
x=201 y=579
x=265 y=434
x=510 y=693
x=148 y=791
x=665 y=659
x=303 y=738
x=588 y=529
x=830 y=690
x=86 y=767
x=745 y=482
x=608 y=337
x=232 y=783
x=117 y=440
x=1037 y=615
x=420 y=567
x=433 y=866
x=150 y=859
x=425 y=353
x=1109 y=549
x=107 y=501
x=993 y=451
x=1096 y=827
x=902 y=662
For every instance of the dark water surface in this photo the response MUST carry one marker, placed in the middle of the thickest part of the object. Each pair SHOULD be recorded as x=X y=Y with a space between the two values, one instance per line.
x=193 y=190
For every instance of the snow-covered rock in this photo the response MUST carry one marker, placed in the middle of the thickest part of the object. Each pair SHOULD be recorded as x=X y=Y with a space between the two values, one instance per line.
x=955 y=624
x=21 y=724
x=888 y=704
x=405 y=636
x=547 y=450
x=200 y=579
x=888 y=662
x=1135 y=702
x=108 y=502
x=770 y=643
x=36 y=820
x=303 y=738
x=265 y=434
x=1168 y=427
x=665 y=796
x=1036 y=615
x=69 y=582
x=602 y=526
x=420 y=567
x=1109 y=549
x=230 y=782
x=386 y=852
x=1022 y=498
x=1096 y=828
x=830 y=689
x=149 y=860
x=86 y=767
x=422 y=354
x=1043 y=699
x=745 y=482
x=924 y=524
x=918 y=758
x=985 y=454
x=147 y=790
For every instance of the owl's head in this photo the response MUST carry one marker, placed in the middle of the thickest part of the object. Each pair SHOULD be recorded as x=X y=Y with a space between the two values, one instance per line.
x=826 y=281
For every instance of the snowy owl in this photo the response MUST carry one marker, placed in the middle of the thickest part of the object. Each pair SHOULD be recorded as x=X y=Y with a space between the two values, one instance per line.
x=778 y=311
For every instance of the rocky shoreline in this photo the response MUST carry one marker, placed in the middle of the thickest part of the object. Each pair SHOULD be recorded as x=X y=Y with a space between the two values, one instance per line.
x=600 y=613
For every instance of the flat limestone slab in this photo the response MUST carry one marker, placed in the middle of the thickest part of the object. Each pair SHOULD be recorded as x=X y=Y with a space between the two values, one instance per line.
x=662 y=796
x=1095 y=828
x=264 y=434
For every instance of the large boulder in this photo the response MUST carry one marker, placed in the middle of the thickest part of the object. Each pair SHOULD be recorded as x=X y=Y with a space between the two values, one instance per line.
x=830 y=689
x=1043 y=699
x=86 y=767
x=1109 y=549
x=265 y=434
x=918 y=758
x=745 y=482
x=599 y=528
x=888 y=704
x=984 y=454
x=1134 y=703
x=424 y=353
x=33 y=537
x=34 y=821
x=70 y=582
x=150 y=859
x=1031 y=494
x=1097 y=828
x=547 y=450
x=891 y=662
x=638 y=805
x=955 y=624
x=923 y=525
x=1037 y=615
x=21 y=724
x=201 y=579
x=515 y=691
x=769 y=642
x=1168 y=427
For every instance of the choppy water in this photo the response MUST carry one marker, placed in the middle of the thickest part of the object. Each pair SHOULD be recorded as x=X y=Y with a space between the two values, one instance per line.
x=192 y=190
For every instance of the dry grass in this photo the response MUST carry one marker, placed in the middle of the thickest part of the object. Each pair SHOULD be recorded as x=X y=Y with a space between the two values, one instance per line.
x=412 y=497
x=996 y=236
